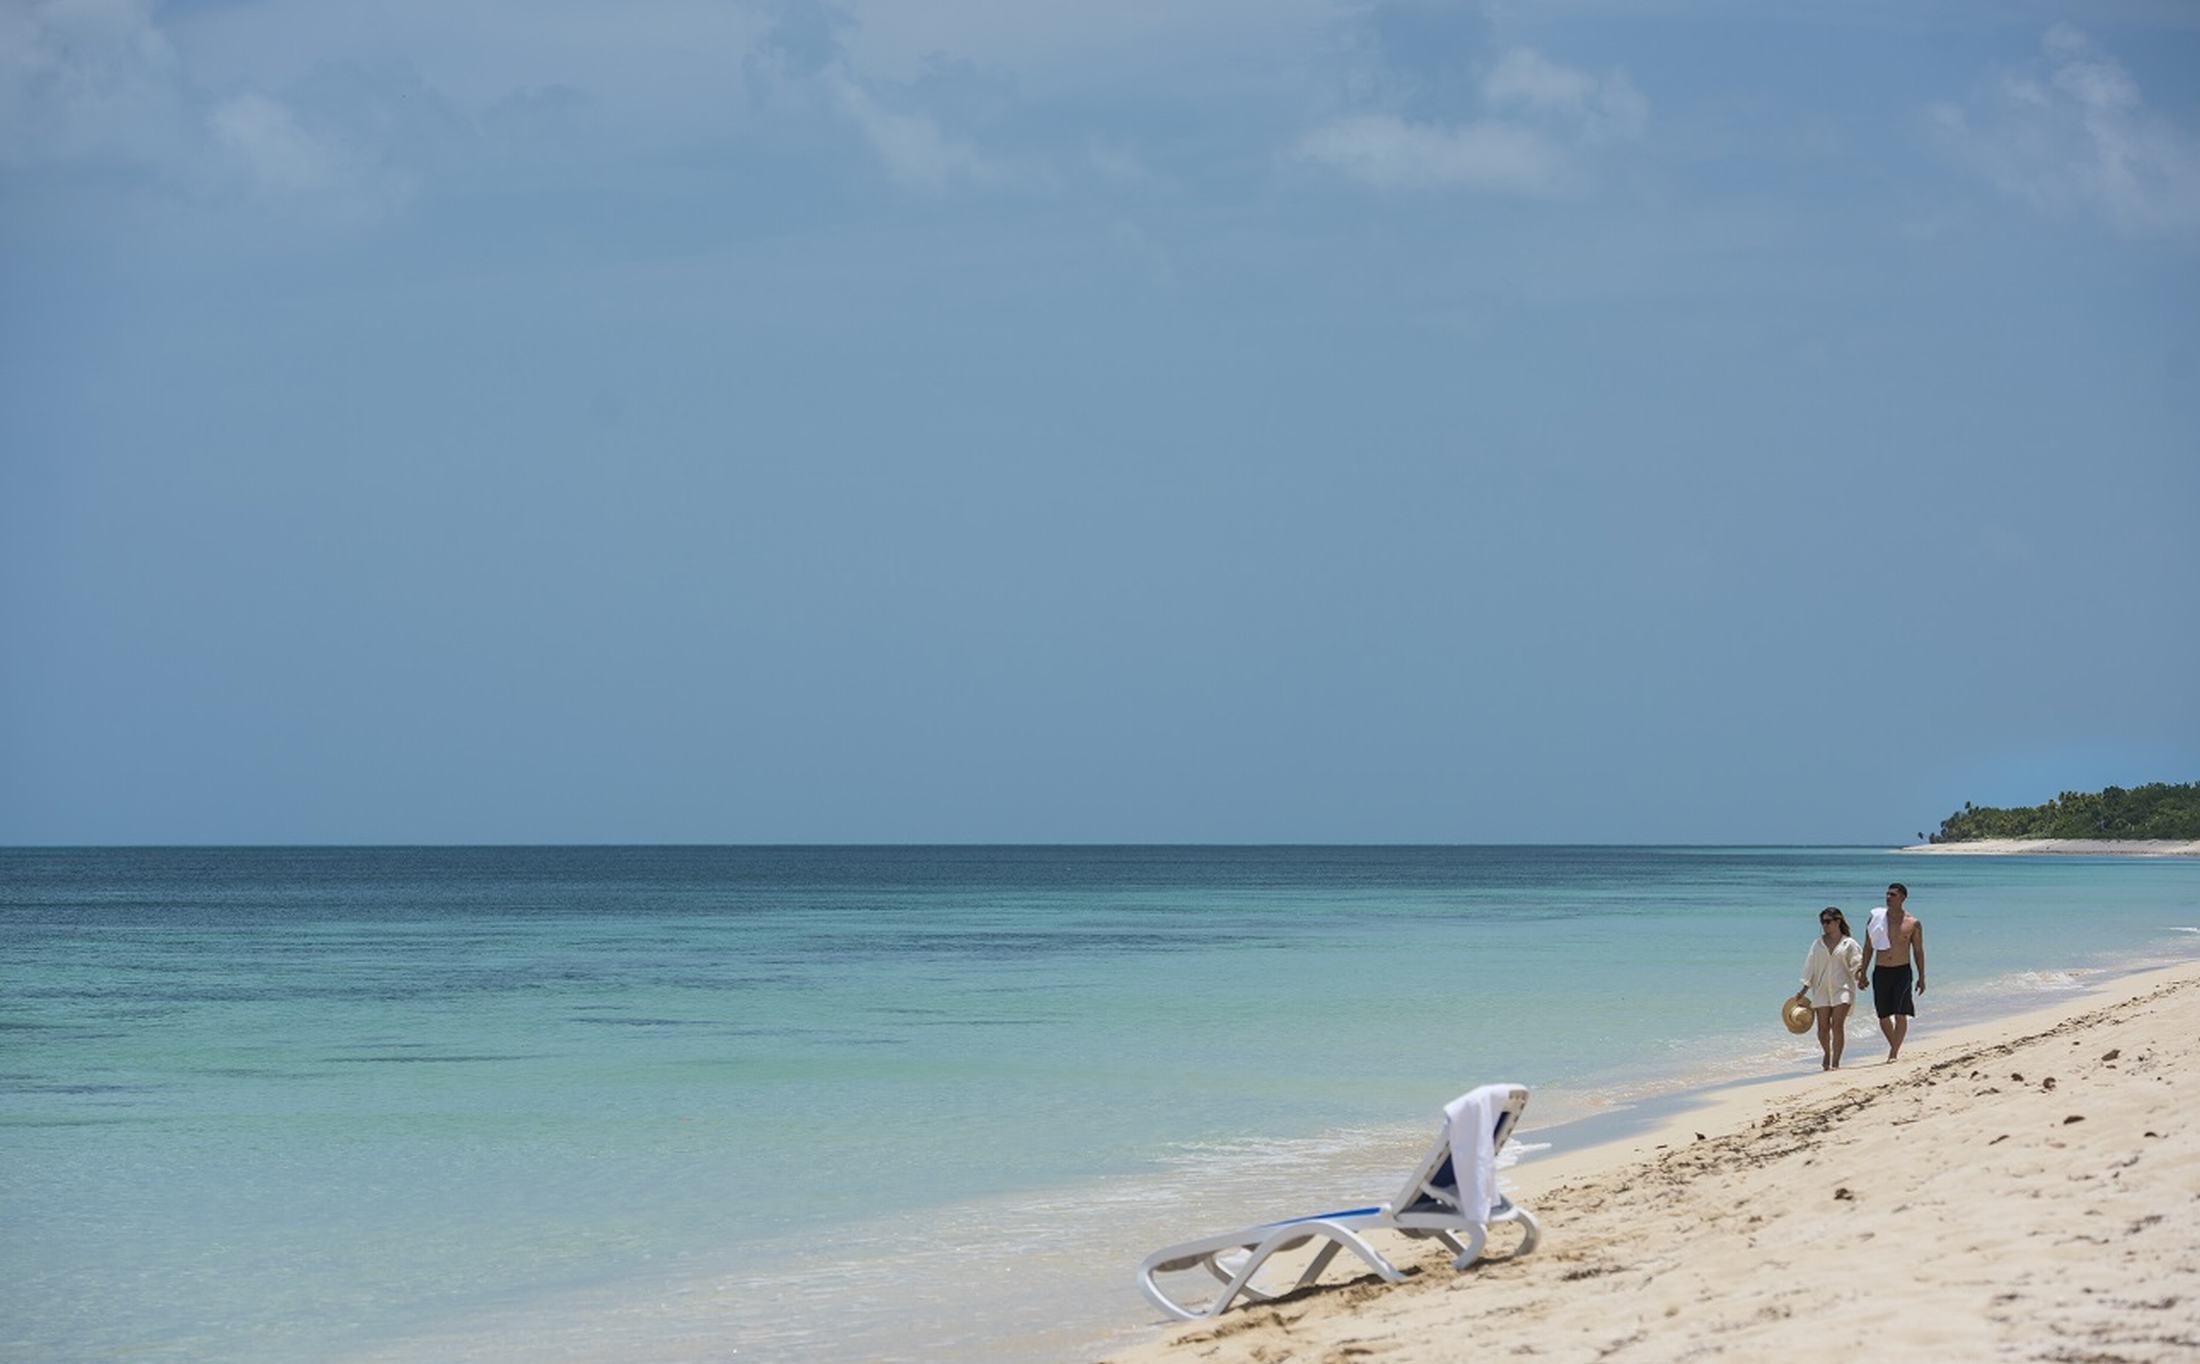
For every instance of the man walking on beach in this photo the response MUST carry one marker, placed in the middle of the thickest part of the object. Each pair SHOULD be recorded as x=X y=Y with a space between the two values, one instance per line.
x=1896 y=938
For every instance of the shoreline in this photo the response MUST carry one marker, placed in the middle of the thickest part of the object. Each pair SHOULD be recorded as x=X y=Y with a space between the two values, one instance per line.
x=1737 y=1151
x=1685 y=1112
x=2059 y=847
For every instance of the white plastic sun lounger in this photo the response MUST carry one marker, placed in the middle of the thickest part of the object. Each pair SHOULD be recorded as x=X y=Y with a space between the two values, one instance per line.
x=1428 y=1206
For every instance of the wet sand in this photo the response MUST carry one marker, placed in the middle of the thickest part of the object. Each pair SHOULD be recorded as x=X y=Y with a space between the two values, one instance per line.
x=2024 y=1189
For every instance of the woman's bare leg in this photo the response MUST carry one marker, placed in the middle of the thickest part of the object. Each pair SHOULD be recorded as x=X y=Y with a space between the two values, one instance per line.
x=1826 y=1043
x=1840 y=1014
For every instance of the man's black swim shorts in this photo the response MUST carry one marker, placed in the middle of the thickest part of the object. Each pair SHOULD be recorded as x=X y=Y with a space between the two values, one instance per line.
x=1891 y=991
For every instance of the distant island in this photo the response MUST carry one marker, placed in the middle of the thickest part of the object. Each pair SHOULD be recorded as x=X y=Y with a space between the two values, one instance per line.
x=2159 y=811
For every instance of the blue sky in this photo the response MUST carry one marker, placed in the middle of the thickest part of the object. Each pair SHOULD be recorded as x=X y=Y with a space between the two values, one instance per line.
x=451 y=421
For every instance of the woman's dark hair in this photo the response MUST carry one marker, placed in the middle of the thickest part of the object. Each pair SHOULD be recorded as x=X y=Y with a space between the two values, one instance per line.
x=1835 y=911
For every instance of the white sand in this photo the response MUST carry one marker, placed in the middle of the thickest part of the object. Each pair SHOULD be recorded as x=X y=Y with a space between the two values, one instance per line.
x=2027 y=1189
x=2086 y=847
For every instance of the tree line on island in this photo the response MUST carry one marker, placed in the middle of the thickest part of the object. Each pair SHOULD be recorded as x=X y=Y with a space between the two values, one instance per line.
x=2157 y=810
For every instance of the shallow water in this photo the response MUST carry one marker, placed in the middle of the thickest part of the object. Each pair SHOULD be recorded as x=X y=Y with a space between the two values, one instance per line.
x=574 y=1102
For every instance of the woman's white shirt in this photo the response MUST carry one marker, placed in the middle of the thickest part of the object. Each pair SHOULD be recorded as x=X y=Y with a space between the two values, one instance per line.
x=1829 y=976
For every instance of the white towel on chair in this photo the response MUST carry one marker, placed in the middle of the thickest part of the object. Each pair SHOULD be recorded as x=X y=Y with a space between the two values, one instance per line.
x=1471 y=1121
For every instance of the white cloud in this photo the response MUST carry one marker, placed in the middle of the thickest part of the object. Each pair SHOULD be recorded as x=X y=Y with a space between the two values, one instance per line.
x=803 y=66
x=344 y=111
x=283 y=161
x=1057 y=46
x=1602 y=108
x=86 y=80
x=1387 y=151
x=1542 y=122
x=1524 y=76
x=2071 y=134
x=100 y=81
x=659 y=68
x=910 y=144
x=277 y=152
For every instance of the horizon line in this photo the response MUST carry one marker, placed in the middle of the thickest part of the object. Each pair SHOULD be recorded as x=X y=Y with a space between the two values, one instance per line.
x=974 y=843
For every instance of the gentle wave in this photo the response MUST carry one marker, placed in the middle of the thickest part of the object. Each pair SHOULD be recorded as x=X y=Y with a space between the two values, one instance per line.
x=1515 y=1150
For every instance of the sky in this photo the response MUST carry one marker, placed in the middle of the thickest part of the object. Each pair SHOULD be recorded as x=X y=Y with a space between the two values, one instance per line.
x=738 y=421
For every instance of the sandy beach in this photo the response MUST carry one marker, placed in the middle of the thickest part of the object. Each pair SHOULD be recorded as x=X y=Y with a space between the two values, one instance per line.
x=2070 y=847
x=2026 y=1189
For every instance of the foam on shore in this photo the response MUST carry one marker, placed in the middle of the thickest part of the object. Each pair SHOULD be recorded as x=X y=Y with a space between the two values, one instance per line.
x=1057 y=1262
x=2046 y=1160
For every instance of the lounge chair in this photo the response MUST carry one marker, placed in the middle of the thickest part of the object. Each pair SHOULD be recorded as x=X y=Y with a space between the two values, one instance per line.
x=1428 y=1206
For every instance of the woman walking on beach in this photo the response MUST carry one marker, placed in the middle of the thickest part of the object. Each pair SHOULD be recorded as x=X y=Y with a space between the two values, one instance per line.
x=1832 y=973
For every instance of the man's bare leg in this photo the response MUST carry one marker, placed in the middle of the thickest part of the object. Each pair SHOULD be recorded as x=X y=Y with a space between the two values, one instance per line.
x=1898 y=1035
x=1886 y=1030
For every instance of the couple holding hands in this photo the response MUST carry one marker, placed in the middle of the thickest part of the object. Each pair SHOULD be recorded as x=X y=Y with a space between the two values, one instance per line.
x=1835 y=969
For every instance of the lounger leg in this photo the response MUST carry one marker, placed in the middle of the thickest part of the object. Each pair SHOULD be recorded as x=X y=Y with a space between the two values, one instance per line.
x=1235 y=1274
x=1384 y=1269
x=1321 y=1262
x=1154 y=1295
x=1339 y=1238
x=1532 y=1230
x=1239 y=1284
x=1472 y=1250
x=1241 y=1255
x=1224 y=1273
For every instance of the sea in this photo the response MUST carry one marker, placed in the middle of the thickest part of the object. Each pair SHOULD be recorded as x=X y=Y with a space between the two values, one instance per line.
x=876 y=1103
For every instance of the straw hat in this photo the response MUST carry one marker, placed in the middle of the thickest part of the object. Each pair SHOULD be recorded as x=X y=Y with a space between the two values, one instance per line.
x=1796 y=1014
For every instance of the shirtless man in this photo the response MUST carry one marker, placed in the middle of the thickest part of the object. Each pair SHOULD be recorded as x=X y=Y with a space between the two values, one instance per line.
x=1896 y=938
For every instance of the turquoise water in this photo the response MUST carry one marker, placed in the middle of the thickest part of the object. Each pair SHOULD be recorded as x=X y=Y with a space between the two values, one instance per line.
x=792 y=1103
